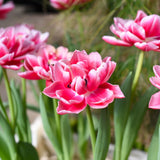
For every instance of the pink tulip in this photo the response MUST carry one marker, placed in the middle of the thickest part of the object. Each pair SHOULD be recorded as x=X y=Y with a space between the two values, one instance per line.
x=16 y=42
x=38 y=66
x=5 y=8
x=83 y=80
x=155 y=99
x=64 y=4
x=143 y=32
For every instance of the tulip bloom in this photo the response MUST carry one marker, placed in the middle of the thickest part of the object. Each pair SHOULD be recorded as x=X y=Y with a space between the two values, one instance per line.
x=64 y=4
x=143 y=32
x=38 y=66
x=16 y=42
x=5 y=8
x=83 y=80
x=155 y=99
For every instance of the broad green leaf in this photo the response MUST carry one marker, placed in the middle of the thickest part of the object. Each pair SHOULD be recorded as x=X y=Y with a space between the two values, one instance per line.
x=134 y=121
x=50 y=131
x=103 y=137
x=154 y=146
x=1 y=74
x=83 y=135
x=8 y=137
x=4 y=150
x=26 y=151
x=21 y=120
x=66 y=134
x=121 y=111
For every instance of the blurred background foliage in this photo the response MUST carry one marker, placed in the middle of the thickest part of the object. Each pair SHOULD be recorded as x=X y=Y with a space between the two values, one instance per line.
x=82 y=27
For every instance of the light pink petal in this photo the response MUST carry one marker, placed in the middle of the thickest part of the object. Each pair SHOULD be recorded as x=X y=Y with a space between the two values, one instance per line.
x=155 y=81
x=50 y=90
x=146 y=46
x=140 y=16
x=100 y=98
x=29 y=75
x=95 y=60
x=114 y=41
x=77 y=70
x=41 y=72
x=154 y=102
x=64 y=108
x=3 y=50
x=151 y=25
x=156 y=69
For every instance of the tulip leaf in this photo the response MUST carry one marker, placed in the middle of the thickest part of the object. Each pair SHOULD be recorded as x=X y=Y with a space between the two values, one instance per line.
x=1 y=74
x=8 y=137
x=4 y=150
x=154 y=145
x=22 y=120
x=27 y=151
x=66 y=134
x=103 y=137
x=83 y=135
x=49 y=129
x=121 y=111
x=134 y=121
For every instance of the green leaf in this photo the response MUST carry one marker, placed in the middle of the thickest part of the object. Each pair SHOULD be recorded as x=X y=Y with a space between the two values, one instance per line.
x=154 y=145
x=27 y=151
x=4 y=150
x=103 y=137
x=8 y=137
x=1 y=74
x=83 y=135
x=22 y=120
x=121 y=111
x=50 y=131
x=134 y=121
x=66 y=137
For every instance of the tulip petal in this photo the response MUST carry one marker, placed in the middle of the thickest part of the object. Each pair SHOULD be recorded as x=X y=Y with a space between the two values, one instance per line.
x=29 y=75
x=146 y=46
x=114 y=41
x=156 y=69
x=154 y=102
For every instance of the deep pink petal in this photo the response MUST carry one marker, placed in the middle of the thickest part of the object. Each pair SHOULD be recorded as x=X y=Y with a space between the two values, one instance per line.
x=64 y=108
x=114 y=41
x=50 y=90
x=29 y=75
x=100 y=98
x=77 y=70
x=140 y=16
x=154 y=102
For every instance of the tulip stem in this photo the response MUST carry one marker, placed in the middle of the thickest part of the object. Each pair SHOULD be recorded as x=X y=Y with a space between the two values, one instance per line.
x=91 y=127
x=10 y=99
x=138 y=71
x=24 y=90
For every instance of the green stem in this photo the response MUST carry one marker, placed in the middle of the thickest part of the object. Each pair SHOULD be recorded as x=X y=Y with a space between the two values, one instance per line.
x=138 y=71
x=10 y=99
x=23 y=90
x=91 y=127
x=57 y=119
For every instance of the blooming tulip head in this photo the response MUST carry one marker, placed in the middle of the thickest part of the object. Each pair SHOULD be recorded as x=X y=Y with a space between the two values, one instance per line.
x=143 y=32
x=16 y=42
x=82 y=80
x=5 y=8
x=64 y=4
x=38 y=66
x=155 y=99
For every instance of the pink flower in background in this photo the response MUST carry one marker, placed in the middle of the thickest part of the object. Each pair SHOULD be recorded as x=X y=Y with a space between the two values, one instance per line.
x=83 y=80
x=155 y=99
x=18 y=41
x=5 y=8
x=38 y=66
x=143 y=32
x=64 y=4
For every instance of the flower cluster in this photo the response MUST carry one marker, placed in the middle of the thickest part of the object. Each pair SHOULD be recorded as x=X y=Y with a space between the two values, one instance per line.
x=18 y=41
x=82 y=80
x=5 y=8
x=143 y=32
x=64 y=4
